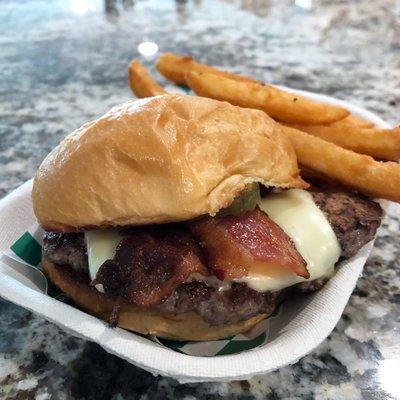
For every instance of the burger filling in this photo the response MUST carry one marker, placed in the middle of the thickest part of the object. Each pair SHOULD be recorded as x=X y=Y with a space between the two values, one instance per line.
x=226 y=268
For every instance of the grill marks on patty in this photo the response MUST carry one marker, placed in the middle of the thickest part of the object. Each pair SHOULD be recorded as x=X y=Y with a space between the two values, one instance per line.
x=152 y=264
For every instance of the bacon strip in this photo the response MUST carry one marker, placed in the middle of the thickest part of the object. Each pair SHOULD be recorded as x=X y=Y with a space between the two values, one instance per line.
x=236 y=245
x=147 y=267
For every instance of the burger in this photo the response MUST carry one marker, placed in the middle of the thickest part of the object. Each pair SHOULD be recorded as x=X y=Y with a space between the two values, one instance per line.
x=187 y=218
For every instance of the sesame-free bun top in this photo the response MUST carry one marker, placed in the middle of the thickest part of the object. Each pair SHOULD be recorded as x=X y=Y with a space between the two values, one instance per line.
x=157 y=160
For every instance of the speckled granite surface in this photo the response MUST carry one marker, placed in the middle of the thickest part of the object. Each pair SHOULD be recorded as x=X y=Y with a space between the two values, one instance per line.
x=63 y=63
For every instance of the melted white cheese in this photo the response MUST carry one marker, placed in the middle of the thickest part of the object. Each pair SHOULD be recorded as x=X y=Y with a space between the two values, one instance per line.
x=296 y=213
x=101 y=246
x=293 y=210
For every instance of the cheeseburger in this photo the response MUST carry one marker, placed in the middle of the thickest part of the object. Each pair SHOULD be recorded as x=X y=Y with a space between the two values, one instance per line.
x=186 y=218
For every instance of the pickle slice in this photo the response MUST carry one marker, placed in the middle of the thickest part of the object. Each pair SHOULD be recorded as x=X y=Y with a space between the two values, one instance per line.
x=247 y=201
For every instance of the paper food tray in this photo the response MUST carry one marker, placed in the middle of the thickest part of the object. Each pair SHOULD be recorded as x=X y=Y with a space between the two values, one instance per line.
x=297 y=326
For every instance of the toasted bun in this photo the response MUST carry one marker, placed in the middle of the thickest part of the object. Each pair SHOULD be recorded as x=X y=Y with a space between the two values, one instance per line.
x=187 y=326
x=157 y=160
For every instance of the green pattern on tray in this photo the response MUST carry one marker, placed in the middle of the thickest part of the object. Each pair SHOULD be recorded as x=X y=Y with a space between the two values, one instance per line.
x=28 y=249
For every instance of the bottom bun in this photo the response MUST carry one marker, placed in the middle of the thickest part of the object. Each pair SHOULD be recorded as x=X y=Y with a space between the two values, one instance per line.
x=187 y=326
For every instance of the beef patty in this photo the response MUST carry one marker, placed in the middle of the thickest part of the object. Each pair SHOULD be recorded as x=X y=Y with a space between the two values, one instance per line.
x=66 y=249
x=237 y=303
x=353 y=218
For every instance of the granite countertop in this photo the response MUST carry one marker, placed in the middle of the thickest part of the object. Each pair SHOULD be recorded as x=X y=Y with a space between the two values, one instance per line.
x=63 y=63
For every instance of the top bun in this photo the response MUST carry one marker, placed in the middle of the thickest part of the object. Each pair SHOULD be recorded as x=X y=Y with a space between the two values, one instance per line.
x=161 y=159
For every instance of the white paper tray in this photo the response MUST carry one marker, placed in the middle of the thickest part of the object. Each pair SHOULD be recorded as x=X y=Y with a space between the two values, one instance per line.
x=304 y=323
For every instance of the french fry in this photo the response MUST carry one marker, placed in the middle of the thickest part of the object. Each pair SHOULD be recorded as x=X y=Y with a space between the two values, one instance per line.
x=312 y=176
x=357 y=171
x=175 y=68
x=141 y=83
x=278 y=104
x=383 y=144
x=354 y=121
